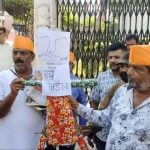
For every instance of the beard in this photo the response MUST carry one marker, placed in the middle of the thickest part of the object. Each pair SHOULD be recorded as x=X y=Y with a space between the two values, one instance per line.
x=132 y=83
x=140 y=87
x=124 y=76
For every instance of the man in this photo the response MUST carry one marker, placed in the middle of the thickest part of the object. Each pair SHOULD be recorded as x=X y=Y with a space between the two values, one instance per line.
x=123 y=68
x=6 y=50
x=128 y=112
x=105 y=81
x=20 y=125
x=132 y=39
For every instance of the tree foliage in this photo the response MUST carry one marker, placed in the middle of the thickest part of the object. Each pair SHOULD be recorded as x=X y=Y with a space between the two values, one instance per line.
x=21 y=10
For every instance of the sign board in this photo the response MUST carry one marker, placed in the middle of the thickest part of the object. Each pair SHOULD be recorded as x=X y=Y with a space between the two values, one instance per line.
x=53 y=48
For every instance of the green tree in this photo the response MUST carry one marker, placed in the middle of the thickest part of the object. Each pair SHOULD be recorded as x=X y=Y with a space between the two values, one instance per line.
x=21 y=10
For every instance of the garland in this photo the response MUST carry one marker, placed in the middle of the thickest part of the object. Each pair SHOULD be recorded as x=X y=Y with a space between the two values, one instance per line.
x=85 y=83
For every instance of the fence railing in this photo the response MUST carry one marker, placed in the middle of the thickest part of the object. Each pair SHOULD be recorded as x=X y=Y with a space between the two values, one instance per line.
x=94 y=24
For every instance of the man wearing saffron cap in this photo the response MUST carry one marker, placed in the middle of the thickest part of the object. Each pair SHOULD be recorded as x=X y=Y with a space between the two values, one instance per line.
x=105 y=81
x=20 y=125
x=129 y=110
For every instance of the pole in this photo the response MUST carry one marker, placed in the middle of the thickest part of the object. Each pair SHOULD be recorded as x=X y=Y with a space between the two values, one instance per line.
x=1 y=5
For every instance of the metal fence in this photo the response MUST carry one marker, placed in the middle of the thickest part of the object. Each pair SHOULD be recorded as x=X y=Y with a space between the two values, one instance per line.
x=94 y=24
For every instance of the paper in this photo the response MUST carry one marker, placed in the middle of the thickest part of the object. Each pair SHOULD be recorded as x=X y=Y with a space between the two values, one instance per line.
x=37 y=96
x=53 y=48
x=54 y=45
x=56 y=81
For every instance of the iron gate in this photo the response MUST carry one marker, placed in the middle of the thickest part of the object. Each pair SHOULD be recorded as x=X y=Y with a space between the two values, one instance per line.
x=94 y=24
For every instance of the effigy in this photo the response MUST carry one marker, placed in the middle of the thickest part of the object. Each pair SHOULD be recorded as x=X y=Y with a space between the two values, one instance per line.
x=53 y=48
x=61 y=127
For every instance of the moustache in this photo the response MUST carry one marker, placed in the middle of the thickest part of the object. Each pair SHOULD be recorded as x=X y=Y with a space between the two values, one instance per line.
x=19 y=61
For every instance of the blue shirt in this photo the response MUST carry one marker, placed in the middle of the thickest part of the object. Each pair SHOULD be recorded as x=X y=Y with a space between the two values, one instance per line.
x=79 y=95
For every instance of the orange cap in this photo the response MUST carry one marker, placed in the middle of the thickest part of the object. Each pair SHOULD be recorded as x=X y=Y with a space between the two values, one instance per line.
x=71 y=57
x=24 y=43
x=140 y=55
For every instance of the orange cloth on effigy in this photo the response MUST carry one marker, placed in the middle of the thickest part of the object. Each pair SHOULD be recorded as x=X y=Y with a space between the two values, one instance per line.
x=24 y=43
x=71 y=57
x=140 y=55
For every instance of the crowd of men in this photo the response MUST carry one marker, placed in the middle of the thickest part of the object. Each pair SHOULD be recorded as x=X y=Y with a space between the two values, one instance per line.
x=120 y=102
x=123 y=108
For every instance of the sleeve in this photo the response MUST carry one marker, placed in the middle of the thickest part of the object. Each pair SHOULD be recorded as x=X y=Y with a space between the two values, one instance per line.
x=81 y=98
x=101 y=118
x=96 y=91
x=105 y=102
x=95 y=94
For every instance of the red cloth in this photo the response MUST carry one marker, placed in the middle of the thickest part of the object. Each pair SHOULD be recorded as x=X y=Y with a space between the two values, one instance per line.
x=61 y=127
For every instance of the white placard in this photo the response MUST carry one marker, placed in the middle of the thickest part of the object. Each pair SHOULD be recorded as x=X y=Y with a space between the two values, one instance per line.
x=53 y=48
x=56 y=81
x=54 y=45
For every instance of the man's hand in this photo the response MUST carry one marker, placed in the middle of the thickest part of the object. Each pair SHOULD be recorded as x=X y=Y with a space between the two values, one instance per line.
x=5 y=105
x=94 y=104
x=16 y=85
x=73 y=102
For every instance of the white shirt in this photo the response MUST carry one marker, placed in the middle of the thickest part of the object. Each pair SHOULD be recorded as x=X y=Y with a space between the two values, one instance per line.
x=21 y=128
x=5 y=56
x=129 y=127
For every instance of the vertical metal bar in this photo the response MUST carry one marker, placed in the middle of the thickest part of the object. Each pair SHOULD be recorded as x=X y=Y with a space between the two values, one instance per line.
x=105 y=36
x=57 y=13
x=1 y=5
